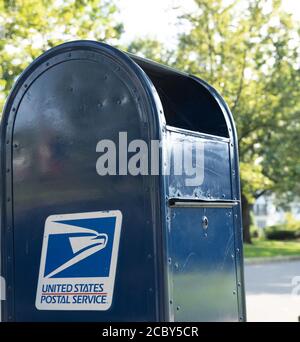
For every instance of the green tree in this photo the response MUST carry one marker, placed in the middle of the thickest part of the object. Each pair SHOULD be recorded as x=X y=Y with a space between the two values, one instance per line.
x=249 y=51
x=30 y=27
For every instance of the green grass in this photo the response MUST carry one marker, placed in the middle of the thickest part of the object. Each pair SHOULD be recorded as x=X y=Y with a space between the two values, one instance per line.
x=269 y=248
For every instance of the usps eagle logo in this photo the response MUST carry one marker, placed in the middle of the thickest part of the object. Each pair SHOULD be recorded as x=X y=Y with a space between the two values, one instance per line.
x=79 y=249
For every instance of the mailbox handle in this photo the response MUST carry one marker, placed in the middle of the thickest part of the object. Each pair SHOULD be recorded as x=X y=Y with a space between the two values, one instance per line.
x=188 y=203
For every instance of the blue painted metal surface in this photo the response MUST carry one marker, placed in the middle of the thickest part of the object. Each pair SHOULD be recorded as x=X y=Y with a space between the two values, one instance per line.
x=204 y=279
x=215 y=167
x=65 y=102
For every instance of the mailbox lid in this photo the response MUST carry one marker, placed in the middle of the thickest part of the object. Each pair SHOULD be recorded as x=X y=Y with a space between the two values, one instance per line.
x=205 y=165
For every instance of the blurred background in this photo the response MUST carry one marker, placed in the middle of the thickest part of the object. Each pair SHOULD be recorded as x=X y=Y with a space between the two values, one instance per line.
x=249 y=50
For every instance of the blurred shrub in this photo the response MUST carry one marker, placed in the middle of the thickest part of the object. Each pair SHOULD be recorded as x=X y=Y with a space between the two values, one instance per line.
x=289 y=230
x=278 y=233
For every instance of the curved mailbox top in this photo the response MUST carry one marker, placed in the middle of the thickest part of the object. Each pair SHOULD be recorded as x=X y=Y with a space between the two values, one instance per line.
x=187 y=101
x=166 y=100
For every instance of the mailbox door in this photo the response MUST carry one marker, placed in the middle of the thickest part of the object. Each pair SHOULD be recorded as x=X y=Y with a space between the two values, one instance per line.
x=203 y=276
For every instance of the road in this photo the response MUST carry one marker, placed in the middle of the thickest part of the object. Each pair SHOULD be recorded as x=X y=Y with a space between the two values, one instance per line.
x=271 y=292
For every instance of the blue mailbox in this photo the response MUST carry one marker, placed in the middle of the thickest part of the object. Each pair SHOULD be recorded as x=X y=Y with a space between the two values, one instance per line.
x=120 y=193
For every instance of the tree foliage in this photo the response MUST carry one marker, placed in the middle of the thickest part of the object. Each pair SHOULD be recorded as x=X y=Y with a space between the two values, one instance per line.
x=249 y=51
x=30 y=27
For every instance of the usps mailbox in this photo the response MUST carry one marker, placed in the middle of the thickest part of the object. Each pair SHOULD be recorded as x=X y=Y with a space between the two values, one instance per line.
x=120 y=193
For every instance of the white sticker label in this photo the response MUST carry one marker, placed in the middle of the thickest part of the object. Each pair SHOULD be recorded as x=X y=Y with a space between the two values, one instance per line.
x=78 y=261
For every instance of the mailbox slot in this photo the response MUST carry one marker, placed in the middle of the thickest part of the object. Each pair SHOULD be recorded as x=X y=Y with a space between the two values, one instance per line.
x=181 y=203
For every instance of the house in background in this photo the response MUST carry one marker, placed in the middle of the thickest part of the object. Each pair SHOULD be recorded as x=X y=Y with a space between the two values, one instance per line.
x=267 y=214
